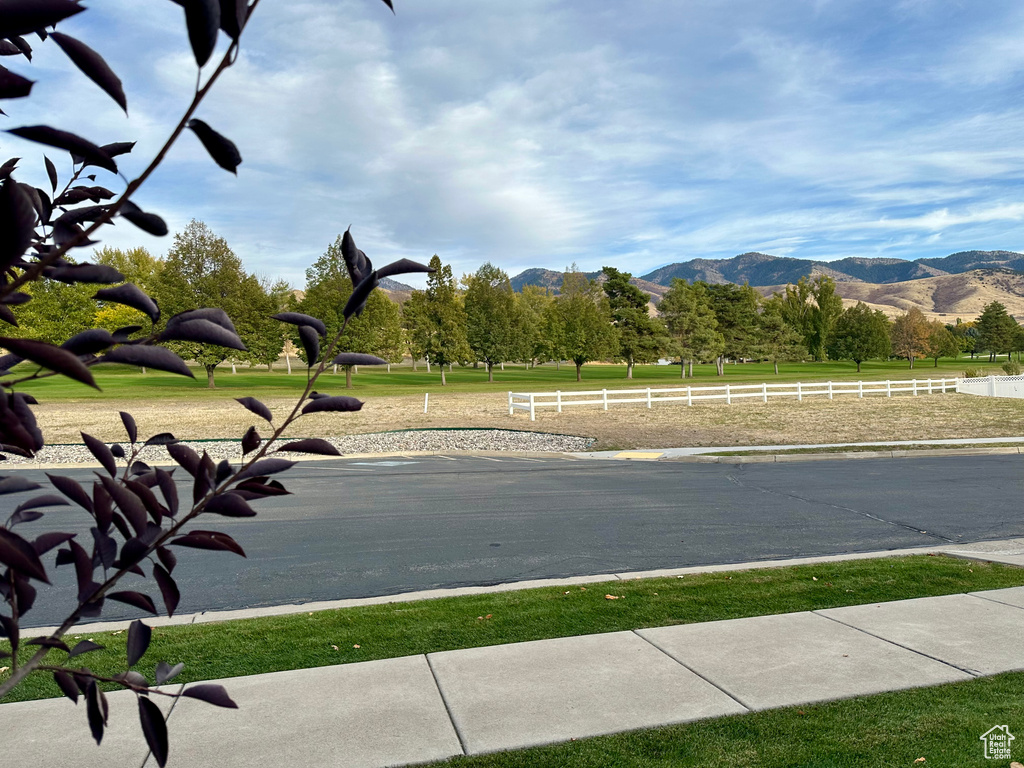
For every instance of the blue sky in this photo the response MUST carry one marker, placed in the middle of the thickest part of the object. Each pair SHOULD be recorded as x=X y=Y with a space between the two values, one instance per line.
x=538 y=133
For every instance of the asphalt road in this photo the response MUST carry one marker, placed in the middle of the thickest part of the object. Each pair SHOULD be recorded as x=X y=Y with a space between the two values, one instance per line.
x=377 y=527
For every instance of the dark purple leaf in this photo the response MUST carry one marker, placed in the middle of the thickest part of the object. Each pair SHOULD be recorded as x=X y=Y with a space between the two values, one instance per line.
x=264 y=467
x=51 y=137
x=67 y=685
x=402 y=267
x=93 y=66
x=130 y=295
x=22 y=45
x=357 y=358
x=136 y=599
x=223 y=471
x=118 y=453
x=357 y=301
x=168 y=588
x=215 y=315
x=118 y=148
x=132 y=679
x=85 y=646
x=139 y=636
x=41 y=501
x=104 y=548
x=70 y=488
x=133 y=551
x=83 y=571
x=389 y=5
x=49 y=642
x=49 y=356
x=21 y=556
x=332 y=403
x=185 y=456
x=297 y=318
x=7 y=48
x=131 y=506
x=89 y=342
x=221 y=149
x=169 y=490
x=255 y=406
x=311 y=445
x=102 y=506
x=230 y=505
x=94 y=708
x=250 y=441
x=19 y=17
x=164 y=438
x=256 y=490
x=17 y=484
x=311 y=343
x=86 y=273
x=157 y=358
x=202 y=332
x=51 y=172
x=24 y=516
x=13 y=86
x=167 y=557
x=154 y=728
x=17 y=221
x=46 y=541
x=26 y=594
x=129 y=426
x=209 y=540
x=233 y=15
x=358 y=265
x=149 y=223
x=148 y=498
x=165 y=672
x=102 y=453
x=211 y=694
x=203 y=20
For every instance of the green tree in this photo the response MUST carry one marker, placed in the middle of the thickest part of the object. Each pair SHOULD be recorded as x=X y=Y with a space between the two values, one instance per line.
x=437 y=319
x=532 y=302
x=202 y=271
x=139 y=267
x=860 y=334
x=262 y=334
x=996 y=331
x=910 y=334
x=735 y=310
x=775 y=339
x=493 y=321
x=580 y=323
x=941 y=342
x=823 y=315
x=641 y=337
x=692 y=326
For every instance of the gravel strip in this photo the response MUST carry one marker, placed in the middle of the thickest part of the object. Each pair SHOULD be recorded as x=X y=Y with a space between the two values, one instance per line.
x=381 y=442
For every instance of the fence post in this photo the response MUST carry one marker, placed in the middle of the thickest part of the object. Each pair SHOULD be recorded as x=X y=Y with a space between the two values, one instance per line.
x=888 y=388
x=426 y=399
x=558 y=399
x=728 y=396
x=689 y=396
x=913 y=386
x=764 y=391
x=992 y=385
x=860 y=388
x=533 y=413
x=929 y=386
x=648 y=397
x=509 y=403
x=604 y=398
x=799 y=393
x=830 y=390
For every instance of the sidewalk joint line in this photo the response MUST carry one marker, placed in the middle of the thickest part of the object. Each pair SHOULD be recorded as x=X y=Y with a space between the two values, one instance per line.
x=447 y=706
x=687 y=667
x=993 y=600
x=972 y=672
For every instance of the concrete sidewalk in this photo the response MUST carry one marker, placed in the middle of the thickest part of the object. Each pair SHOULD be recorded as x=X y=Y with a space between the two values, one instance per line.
x=422 y=708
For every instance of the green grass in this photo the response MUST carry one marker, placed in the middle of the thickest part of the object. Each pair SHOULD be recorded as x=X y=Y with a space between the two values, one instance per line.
x=890 y=730
x=255 y=646
x=122 y=382
x=864 y=448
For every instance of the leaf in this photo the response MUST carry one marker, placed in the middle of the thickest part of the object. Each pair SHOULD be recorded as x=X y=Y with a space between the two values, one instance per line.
x=230 y=505
x=389 y=5
x=86 y=273
x=250 y=441
x=136 y=599
x=52 y=137
x=19 y=17
x=130 y=427
x=17 y=484
x=297 y=318
x=233 y=15
x=209 y=540
x=168 y=589
x=51 y=172
x=67 y=684
x=164 y=438
x=85 y=646
x=357 y=301
x=17 y=222
x=89 y=342
x=264 y=467
x=202 y=332
x=167 y=557
x=149 y=223
x=26 y=516
x=169 y=490
x=94 y=708
x=48 y=500
x=157 y=358
x=255 y=406
x=21 y=556
x=185 y=456
x=104 y=547
x=139 y=636
x=358 y=265
x=311 y=343
x=102 y=453
x=118 y=148
x=211 y=694
x=357 y=358
x=130 y=295
x=202 y=17
x=311 y=445
x=46 y=541
x=93 y=66
x=165 y=672
x=131 y=506
x=70 y=488
x=402 y=267
x=49 y=642
x=332 y=403
x=256 y=490
x=221 y=149
x=14 y=86
x=49 y=356
x=154 y=728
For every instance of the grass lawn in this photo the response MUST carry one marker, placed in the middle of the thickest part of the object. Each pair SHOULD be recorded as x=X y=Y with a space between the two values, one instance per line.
x=889 y=730
x=212 y=651
x=122 y=382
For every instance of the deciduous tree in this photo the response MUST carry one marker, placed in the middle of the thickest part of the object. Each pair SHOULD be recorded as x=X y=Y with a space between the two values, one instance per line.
x=580 y=320
x=693 y=329
x=860 y=334
x=775 y=339
x=494 y=326
x=910 y=333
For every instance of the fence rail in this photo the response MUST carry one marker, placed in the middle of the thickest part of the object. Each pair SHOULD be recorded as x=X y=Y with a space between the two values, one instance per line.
x=531 y=401
x=992 y=386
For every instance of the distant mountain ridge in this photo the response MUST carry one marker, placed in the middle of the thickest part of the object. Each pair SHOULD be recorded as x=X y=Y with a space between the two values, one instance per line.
x=761 y=269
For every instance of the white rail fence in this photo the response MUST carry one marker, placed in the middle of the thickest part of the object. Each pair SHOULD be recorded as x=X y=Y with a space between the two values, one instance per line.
x=992 y=386
x=531 y=401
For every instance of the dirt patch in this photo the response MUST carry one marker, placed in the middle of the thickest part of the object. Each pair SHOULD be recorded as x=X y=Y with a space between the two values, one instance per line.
x=623 y=426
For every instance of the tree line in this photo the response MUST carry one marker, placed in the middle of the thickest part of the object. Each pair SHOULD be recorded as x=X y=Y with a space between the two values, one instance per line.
x=481 y=319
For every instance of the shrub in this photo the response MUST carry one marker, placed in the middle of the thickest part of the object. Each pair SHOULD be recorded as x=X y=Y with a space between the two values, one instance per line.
x=973 y=373
x=1010 y=368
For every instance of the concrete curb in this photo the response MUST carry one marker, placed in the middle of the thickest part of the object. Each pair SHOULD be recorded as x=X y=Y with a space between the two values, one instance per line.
x=772 y=458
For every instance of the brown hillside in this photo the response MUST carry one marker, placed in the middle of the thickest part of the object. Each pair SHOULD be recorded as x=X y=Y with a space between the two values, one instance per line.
x=944 y=297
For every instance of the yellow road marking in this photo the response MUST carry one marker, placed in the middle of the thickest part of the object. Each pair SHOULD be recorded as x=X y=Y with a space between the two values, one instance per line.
x=639 y=455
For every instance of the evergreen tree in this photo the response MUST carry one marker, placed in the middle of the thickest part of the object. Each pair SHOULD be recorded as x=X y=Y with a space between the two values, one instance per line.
x=693 y=329
x=860 y=334
x=823 y=315
x=996 y=331
x=437 y=319
x=775 y=339
x=579 y=321
x=641 y=337
x=493 y=321
x=735 y=310
x=910 y=335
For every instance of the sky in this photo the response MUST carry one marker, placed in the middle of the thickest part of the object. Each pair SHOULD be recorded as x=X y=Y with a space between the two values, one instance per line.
x=542 y=133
